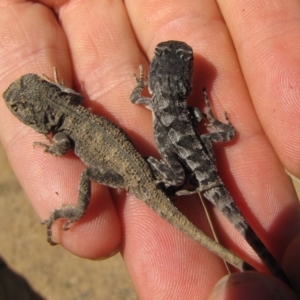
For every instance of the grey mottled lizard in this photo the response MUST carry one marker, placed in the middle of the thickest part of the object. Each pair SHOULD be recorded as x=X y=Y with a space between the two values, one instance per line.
x=188 y=157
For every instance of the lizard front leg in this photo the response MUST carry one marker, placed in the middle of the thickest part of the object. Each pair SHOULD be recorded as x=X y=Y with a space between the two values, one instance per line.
x=136 y=95
x=168 y=171
x=218 y=131
x=60 y=144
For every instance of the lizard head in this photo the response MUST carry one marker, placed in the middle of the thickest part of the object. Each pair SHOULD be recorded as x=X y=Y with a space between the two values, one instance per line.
x=28 y=99
x=171 y=70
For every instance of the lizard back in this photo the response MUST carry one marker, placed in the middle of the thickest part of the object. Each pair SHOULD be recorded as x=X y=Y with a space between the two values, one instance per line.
x=188 y=157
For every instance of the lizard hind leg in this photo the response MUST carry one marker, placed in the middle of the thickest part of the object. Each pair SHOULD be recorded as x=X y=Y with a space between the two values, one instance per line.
x=218 y=131
x=71 y=213
x=74 y=213
x=174 y=176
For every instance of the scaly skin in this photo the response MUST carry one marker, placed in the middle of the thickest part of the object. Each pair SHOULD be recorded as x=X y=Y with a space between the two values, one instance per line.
x=188 y=157
x=110 y=157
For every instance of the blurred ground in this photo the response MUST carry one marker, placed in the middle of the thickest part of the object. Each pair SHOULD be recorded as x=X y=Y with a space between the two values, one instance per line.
x=51 y=271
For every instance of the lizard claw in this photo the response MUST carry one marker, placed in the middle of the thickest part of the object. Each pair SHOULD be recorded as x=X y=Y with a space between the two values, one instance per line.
x=42 y=145
x=141 y=80
x=48 y=224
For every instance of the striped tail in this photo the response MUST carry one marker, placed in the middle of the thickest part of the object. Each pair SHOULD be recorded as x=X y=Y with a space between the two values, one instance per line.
x=220 y=197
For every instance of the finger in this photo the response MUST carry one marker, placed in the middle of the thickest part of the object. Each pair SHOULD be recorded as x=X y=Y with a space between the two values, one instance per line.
x=171 y=263
x=258 y=184
x=105 y=76
x=250 y=285
x=105 y=56
x=291 y=262
x=33 y=41
x=266 y=35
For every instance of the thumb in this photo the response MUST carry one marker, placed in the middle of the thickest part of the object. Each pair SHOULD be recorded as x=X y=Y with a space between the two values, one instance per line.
x=250 y=285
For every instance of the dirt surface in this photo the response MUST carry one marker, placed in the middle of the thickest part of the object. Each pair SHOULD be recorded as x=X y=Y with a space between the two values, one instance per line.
x=51 y=271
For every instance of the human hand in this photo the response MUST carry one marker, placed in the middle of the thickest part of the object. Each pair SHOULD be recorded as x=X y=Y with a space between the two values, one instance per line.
x=95 y=45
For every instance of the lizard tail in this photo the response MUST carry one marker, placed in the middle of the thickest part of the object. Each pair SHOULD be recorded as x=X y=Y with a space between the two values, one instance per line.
x=168 y=211
x=220 y=197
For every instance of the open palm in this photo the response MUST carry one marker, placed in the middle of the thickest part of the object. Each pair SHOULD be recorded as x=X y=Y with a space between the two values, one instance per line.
x=246 y=55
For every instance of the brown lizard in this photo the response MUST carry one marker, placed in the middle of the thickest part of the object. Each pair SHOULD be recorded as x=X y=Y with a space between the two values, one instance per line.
x=110 y=157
